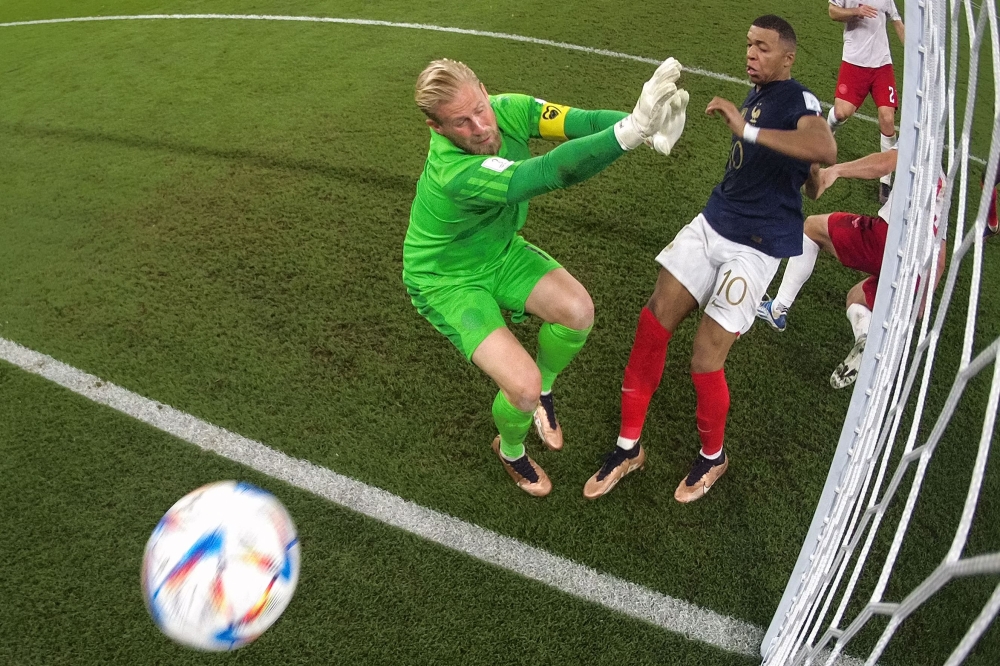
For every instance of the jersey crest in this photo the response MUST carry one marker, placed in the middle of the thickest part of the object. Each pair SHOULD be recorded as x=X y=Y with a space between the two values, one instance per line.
x=497 y=164
x=812 y=103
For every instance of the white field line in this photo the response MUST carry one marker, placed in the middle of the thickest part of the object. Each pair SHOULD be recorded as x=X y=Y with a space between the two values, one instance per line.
x=414 y=26
x=580 y=581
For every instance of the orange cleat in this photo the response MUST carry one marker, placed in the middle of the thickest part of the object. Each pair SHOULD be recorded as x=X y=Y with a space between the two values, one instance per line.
x=703 y=475
x=526 y=473
x=547 y=425
x=618 y=464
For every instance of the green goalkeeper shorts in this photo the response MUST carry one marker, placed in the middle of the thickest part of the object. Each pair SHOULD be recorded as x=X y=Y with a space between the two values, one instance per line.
x=468 y=310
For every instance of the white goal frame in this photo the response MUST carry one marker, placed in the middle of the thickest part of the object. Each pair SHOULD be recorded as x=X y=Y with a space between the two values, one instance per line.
x=809 y=625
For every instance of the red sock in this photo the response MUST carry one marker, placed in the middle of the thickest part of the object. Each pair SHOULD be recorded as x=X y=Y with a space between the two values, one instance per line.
x=713 y=406
x=643 y=372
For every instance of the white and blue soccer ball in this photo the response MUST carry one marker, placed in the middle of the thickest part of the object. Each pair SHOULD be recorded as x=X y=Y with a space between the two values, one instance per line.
x=221 y=566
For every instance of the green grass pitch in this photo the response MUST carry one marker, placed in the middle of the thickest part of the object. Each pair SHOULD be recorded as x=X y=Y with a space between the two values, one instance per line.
x=211 y=214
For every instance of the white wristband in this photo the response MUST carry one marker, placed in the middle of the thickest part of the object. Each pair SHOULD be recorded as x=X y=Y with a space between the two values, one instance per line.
x=627 y=134
x=750 y=133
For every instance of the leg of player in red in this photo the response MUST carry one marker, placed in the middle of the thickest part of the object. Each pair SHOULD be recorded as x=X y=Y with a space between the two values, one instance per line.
x=798 y=270
x=848 y=237
x=860 y=302
x=860 y=244
x=857 y=242
x=884 y=94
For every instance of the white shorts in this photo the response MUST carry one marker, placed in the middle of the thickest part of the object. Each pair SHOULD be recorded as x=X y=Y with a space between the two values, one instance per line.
x=727 y=278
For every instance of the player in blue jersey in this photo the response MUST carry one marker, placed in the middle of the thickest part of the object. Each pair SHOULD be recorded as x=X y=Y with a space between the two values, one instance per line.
x=723 y=260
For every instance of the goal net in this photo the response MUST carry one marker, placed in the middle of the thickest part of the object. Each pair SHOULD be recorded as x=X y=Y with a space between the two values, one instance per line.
x=846 y=600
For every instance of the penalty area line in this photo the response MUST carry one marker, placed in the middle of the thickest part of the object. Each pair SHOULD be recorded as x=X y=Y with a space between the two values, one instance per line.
x=413 y=26
x=580 y=581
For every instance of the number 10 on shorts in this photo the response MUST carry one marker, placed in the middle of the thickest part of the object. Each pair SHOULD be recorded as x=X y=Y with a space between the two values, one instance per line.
x=733 y=288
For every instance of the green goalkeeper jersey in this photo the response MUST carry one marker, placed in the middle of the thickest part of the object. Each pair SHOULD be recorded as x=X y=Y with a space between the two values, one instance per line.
x=466 y=213
x=461 y=221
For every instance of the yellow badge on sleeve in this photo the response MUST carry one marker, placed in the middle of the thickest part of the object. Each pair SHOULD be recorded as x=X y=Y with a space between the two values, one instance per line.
x=552 y=123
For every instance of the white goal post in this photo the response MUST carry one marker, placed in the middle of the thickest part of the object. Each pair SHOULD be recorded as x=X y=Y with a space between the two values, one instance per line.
x=890 y=433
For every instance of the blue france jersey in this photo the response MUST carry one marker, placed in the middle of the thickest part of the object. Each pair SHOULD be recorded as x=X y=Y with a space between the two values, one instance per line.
x=759 y=203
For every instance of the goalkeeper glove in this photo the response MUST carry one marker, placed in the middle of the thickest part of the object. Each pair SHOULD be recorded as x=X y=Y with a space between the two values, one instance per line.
x=671 y=124
x=644 y=120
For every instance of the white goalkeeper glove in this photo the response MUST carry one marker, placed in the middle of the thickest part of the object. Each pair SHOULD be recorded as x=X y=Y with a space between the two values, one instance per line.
x=671 y=123
x=644 y=120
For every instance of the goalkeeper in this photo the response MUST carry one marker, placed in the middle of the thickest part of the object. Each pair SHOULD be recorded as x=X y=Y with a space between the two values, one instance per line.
x=463 y=259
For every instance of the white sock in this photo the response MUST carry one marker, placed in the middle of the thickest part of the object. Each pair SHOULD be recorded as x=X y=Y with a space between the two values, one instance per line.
x=797 y=271
x=627 y=444
x=860 y=318
x=714 y=456
x=886 y=143
x=831 y=119
x=508 y=459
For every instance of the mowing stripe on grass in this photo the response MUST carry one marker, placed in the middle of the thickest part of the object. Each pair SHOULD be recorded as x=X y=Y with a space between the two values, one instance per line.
x=580 y=581
x=414 y=26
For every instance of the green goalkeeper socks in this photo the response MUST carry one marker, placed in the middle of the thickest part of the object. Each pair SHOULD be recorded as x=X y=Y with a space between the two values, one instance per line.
x=513 y=425
x=557 y=346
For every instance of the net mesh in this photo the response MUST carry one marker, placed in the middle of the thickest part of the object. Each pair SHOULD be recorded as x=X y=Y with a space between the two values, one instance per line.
x=841 y=590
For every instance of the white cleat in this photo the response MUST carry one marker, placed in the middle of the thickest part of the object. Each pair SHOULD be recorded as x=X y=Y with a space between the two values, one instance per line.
x=847 y=371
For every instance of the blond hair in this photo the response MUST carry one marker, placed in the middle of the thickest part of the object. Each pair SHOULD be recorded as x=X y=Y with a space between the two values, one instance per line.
x=439 y=82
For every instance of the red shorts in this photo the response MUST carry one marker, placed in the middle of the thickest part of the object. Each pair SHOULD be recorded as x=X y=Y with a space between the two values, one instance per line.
x=854 y=83
x=859 y=241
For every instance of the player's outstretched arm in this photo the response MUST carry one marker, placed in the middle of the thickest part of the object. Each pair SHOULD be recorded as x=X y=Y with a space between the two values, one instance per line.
x=584 y=122
x=868 y=167
x=845 y=14
x=810 y=141
x=579 y=159
x=563 y=122
x=557 y=122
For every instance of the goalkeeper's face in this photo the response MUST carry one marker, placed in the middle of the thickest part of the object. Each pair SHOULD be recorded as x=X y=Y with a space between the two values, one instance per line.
x=467 y=119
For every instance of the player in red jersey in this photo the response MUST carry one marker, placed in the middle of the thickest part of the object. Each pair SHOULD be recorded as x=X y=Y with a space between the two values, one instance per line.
x=858 y=242
x=866 y=68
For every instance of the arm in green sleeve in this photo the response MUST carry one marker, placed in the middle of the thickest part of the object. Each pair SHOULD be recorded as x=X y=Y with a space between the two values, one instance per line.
x=581 y=122
x=566 y=164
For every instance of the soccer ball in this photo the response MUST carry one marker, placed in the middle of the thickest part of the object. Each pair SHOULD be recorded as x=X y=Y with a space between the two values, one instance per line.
x=221 y=566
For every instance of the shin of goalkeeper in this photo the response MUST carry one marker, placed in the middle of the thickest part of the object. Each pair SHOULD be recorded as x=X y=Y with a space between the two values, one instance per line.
x=525 y=282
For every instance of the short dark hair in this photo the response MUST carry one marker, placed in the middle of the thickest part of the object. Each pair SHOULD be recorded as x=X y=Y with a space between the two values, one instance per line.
x=779 y=25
